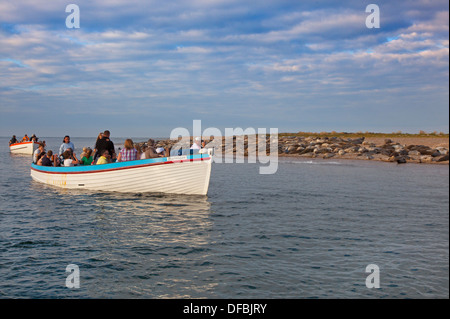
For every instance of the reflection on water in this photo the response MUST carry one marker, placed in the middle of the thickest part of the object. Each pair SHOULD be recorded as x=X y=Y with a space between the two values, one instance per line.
x=165 y=233
x=162 y=218
x=157 y=242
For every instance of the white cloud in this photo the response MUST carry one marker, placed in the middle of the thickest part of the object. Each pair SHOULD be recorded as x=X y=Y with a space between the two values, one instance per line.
x=194 y=50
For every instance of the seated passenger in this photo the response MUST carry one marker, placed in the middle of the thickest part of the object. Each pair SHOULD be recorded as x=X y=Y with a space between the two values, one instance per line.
x=160 y=151
x=129 y=153
x=38 y=152
x=87 y=158
x=25 y=139
x=13 y=140
x=197 y=144
x=55 y=159
x=105 y=158
x=48 y=159
x=144 y=149
x=84 y=152
x=39 y=158
x=139 y=150
x=69 y=158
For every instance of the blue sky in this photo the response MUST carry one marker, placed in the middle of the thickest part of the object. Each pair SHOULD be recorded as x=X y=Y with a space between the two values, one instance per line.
x=143 y=68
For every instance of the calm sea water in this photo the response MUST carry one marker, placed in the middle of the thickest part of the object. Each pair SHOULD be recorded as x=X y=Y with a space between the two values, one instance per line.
x=308 y=231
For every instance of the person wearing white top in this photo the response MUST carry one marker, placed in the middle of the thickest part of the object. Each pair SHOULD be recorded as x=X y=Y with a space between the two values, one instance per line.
x=70 y=159
x=197 y=144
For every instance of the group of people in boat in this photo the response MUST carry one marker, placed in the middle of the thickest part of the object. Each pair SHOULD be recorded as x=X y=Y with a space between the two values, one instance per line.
x=103 y=153
x=33 y=138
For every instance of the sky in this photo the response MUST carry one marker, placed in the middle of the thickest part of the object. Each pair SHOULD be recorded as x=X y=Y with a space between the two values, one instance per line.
x=143 y=68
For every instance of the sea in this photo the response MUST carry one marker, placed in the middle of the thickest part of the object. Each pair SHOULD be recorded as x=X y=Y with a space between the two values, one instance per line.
x=315 y=229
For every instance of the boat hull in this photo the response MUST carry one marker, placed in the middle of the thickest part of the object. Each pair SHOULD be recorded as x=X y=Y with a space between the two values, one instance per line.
x=23 y=148
x=176 y=175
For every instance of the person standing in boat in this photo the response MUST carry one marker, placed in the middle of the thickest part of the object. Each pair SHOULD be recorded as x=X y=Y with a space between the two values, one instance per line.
x=104 y=144
x=66 y=145
x=25 y=139
x=13 y=140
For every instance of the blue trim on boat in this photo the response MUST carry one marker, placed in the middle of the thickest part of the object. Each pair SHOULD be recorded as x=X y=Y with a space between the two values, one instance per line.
x=117 y=165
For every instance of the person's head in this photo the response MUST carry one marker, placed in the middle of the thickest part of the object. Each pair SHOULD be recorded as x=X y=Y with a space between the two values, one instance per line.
x=66 y=154
x=88 y=152
x=49 y=153
x=106 y=153
x=66 y=139
x=128 y=144
x=41 y=147
x=150 y=142
x=106 y=133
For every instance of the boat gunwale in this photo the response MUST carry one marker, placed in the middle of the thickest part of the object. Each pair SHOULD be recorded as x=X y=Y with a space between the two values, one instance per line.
x=88 y=169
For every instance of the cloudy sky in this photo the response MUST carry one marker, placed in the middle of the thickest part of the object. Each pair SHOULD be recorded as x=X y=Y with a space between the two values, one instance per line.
x=145 y=67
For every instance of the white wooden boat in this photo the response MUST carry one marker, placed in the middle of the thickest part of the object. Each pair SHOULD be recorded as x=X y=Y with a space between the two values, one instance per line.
x=23 y=148
x=186 y=174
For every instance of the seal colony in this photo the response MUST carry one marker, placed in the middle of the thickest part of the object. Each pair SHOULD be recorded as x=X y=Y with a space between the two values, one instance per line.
x=359 y=148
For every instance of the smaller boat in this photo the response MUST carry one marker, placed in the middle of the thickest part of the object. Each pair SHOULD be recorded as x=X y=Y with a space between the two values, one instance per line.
x=23 y=148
